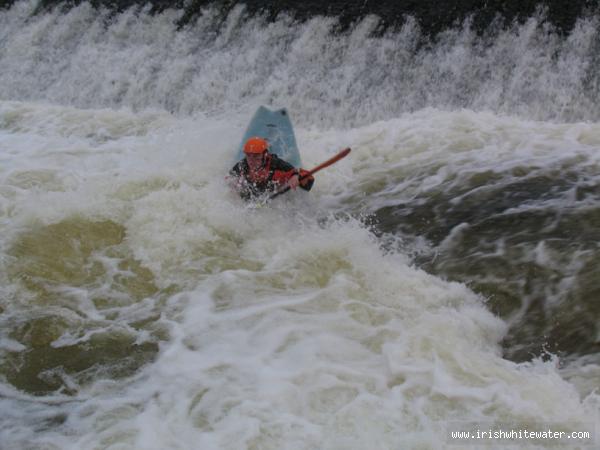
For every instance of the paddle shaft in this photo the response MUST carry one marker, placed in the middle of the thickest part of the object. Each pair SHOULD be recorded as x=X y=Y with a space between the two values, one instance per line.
x=327 y=163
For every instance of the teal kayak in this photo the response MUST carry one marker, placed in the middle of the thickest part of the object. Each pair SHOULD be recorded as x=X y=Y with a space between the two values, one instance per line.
x=276 y=127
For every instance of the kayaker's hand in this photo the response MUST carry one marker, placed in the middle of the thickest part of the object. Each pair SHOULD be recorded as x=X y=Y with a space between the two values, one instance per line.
x=293 y=182
x=307 y=180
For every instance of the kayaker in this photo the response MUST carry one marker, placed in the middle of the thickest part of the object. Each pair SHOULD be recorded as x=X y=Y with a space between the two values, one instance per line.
x=262 y=172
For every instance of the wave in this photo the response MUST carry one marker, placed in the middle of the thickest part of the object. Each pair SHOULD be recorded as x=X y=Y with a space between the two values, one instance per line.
x=92 y=58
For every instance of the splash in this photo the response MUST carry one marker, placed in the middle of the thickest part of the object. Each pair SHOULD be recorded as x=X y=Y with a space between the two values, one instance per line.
x=94 y=58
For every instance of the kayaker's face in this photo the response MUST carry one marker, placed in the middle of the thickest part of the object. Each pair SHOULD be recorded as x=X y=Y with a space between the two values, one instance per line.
x=255 y=161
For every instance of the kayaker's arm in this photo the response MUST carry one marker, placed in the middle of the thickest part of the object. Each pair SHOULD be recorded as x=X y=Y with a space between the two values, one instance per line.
x=301 y=178
x=286 y=174
x=321 y=166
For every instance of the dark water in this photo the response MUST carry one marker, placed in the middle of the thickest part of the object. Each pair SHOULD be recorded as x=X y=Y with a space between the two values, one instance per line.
x=527 y=240
x=432 y=16
x=48 y=259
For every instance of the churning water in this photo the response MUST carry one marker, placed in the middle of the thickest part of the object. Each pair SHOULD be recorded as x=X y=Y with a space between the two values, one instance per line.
x=446 y=271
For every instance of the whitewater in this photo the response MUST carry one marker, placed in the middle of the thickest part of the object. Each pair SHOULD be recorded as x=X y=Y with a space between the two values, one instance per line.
x=444 y=275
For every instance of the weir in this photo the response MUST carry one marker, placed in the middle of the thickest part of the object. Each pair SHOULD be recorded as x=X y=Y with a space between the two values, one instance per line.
x=444 y=272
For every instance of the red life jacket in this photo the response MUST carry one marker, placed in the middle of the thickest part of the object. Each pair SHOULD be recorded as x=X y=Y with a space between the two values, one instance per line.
x=274 y=173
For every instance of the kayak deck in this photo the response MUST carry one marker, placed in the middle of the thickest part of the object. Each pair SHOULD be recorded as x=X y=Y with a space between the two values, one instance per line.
x=276 y=127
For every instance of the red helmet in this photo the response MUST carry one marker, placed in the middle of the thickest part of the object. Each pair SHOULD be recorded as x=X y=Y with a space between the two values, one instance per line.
x=256 y=145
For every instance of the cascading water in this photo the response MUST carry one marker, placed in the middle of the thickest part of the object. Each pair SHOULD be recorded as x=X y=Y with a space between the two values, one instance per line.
x=445 y=273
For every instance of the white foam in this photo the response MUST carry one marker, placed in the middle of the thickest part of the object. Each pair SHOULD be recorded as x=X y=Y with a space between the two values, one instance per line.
x=89 y=58
x=288 y=326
